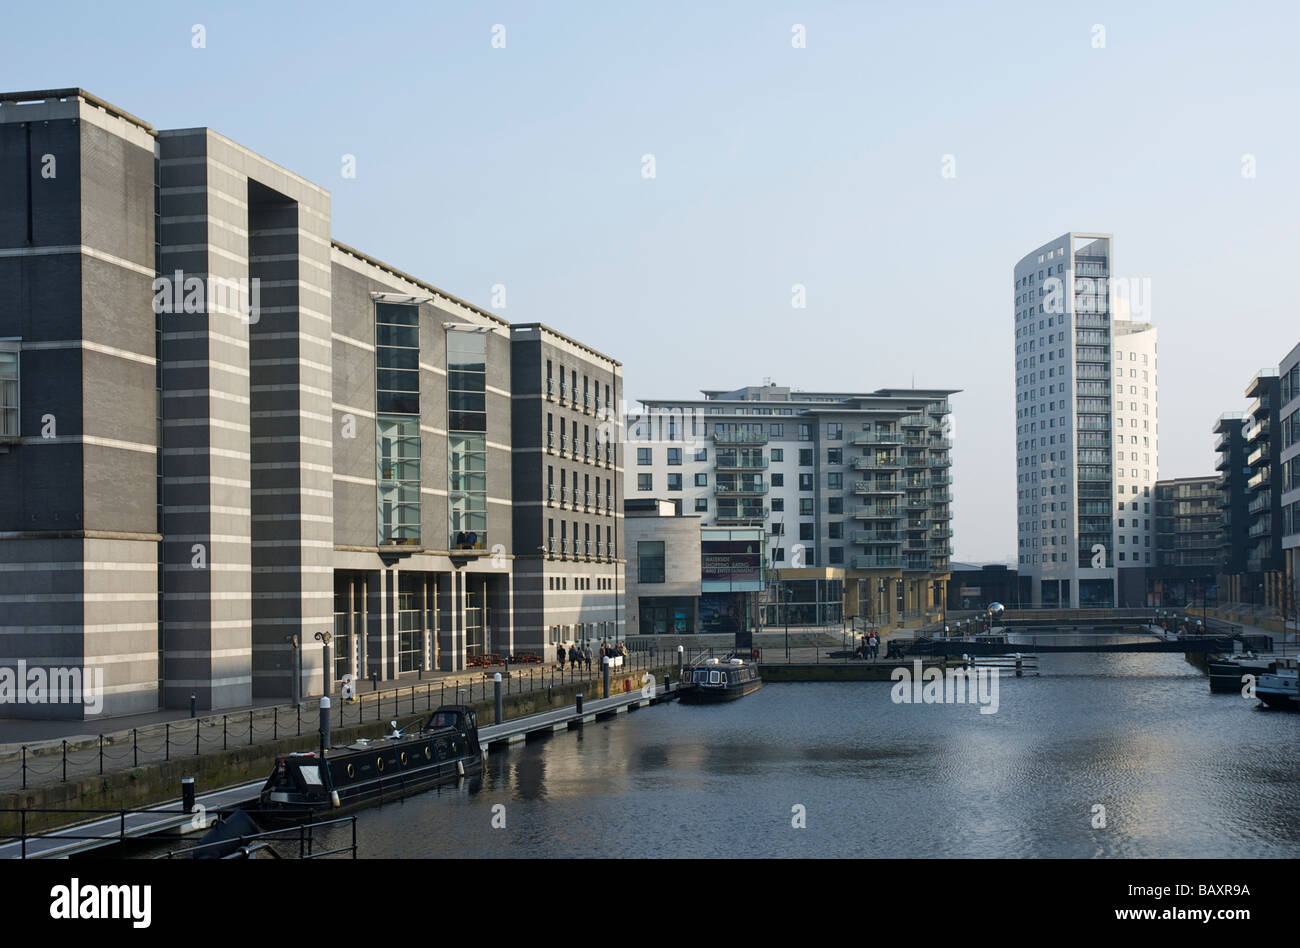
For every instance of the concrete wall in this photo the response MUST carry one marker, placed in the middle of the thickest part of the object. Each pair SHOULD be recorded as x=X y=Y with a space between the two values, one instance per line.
x=78 y=565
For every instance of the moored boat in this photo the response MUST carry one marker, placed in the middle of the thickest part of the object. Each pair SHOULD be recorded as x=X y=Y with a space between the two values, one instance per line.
x=720 y=681
x=443 y=750
x=1280 y=686
x=1228 y=675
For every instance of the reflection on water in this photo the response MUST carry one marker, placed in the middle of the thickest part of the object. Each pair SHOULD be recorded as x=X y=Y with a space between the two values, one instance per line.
x=1180 y=772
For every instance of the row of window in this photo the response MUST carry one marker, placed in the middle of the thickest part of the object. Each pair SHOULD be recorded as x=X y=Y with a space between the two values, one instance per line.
x=567 y=390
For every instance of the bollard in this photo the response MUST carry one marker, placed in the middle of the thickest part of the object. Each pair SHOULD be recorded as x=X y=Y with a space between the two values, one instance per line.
x=1019 y=672
x=579 y=697
x=496 y=698
x=605 y=665
x=196 y=737
x=666 y=691
x=194 y=704
x=681 y=657
x=187 y=794
x=324 y=726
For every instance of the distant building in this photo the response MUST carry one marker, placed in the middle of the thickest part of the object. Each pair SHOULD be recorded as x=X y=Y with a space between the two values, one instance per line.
x=853 y=490
x=974 y=586
x=1087 y=435
x=1189 y=534
x=1289 y=456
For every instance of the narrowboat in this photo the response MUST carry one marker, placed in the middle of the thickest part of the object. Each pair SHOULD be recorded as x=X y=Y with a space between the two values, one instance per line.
x=720 y=681
x=443 y=750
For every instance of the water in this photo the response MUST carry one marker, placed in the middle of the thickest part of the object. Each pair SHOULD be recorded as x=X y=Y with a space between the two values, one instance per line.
x=1180 y=772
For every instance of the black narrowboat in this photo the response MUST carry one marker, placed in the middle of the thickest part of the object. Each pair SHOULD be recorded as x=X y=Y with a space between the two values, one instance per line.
x=444 y=749
x=719 y=681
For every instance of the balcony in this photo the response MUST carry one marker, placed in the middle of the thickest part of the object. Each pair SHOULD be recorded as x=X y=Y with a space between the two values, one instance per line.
x=1261 y=479
x=941 y=497
x=916 y=544
x=1261 y=503
x=940 y=443
x=564 y=393
x=917 y=483
x=1259 y=454
x=915 y=462
x=551 y=493
x=916 y=561
x=876 y=512
x=739 y=463
x=875 y=536
x=939 y=408
x=740 y=490
x=588 y=403
x=877 y=464
x=877 y=562
x=914 y=421
x=738 y=437
x=745 y=516
x=550 y=388
x=878 y=437
x=918 y=503
x=941 y=480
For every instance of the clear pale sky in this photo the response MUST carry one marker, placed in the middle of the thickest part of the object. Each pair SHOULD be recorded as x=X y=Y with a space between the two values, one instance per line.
x=774 y=165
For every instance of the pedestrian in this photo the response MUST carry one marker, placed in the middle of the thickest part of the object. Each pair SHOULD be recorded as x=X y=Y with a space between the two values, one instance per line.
x=573 y=656
x=875 y=646
x=560 y=655
x=586 y=654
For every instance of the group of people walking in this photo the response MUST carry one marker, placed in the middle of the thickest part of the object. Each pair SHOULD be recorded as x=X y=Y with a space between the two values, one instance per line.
x=576 y=655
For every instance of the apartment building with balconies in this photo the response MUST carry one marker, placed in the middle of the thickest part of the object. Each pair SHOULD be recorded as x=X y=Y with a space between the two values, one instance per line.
x=854 y=490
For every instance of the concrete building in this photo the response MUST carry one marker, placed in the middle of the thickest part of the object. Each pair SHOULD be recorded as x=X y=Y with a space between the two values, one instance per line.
x=226 y=438
x=1289 y=456
x=685 y=577
x=853 y=490
x=568 y=489
x=1189 y=536
x=1087 y=447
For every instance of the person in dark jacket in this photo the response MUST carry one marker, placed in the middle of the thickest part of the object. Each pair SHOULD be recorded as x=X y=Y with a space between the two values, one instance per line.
x=559 y=650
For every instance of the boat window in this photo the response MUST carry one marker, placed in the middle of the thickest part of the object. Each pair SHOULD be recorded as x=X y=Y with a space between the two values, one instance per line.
x=713 y=678
x=310 y=775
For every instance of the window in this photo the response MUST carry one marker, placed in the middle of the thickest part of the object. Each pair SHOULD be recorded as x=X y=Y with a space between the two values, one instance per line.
x=778 y=430
x=805 y=530
x=702 y=454
x=805 y=457
x=778 y=454
x=701 y=480
x=645 y=482
x=836 y=554
x=805 y=482
x=835 y=456
x=674 y=481
x=835 y=481
x=805 y=507
x=834 y=431
x=643 y=456
x=398 y=476
x=650 y=561
x=835 y=505
x=9 y=388
x=778 y=480
x=467 y=490
x=805 y=432
x=835 y=530
x=701 y=504
x=675 y=456
x=778 y=504
x=397 y=359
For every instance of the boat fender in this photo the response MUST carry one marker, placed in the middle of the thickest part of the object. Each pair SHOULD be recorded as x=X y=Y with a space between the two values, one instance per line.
x=334 y=798
x=460 y=767
x=627 y=684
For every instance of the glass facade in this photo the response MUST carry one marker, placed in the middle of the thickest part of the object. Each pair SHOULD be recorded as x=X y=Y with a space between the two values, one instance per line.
x=397 y=422
x=466 y=440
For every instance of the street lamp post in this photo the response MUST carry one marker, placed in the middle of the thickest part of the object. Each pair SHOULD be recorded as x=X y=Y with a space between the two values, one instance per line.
x=789 y=594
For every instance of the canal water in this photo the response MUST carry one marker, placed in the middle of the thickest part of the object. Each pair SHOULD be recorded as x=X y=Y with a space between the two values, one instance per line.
x=1179 y=772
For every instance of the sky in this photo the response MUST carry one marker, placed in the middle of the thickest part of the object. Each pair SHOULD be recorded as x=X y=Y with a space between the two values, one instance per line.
x=897 y=165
